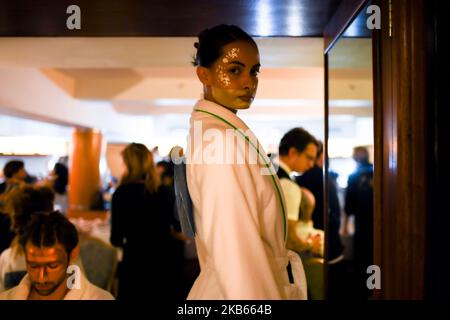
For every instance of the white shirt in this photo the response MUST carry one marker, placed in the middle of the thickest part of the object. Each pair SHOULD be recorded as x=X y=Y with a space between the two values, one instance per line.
x=292 y=193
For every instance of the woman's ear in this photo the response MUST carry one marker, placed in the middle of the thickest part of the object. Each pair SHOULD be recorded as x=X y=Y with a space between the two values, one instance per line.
x=204 y=75
x=292 y=152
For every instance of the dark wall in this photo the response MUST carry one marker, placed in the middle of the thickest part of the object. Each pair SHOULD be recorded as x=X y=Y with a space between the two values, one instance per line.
x=438 y=222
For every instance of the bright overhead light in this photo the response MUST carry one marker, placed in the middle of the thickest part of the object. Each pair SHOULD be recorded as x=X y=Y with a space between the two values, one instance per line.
x=350 y=103
x=294 y=22
x=287 y=102
x=174 y=102
x=31 y=145
x=264 y=19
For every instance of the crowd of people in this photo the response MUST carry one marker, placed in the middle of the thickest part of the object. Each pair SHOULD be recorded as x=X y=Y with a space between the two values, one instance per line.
x=143 y=221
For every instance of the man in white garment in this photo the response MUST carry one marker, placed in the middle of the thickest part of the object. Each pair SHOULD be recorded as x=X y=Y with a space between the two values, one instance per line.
x=51 y=246
x=297 y=153
x=304 y=228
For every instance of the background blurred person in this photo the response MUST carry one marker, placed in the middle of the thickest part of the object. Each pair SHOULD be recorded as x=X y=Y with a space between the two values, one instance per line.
x=297 y=153
x=141 y=226
x=22 y=202
x=165 y=172
x=6 y=234
x=16 y=176
x=50 y=243
x=14 y=173
x=304 y=228
x=60 y=179
x=313 y=181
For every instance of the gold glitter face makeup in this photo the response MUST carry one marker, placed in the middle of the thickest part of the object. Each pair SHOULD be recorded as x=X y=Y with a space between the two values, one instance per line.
x=222 y=76
x=235 y=76
x=233 y=53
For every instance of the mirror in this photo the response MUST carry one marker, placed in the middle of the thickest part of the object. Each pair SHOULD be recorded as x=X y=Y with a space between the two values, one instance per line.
x=350 y=157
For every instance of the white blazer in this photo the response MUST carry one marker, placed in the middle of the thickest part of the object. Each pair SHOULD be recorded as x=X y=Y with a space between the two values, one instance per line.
x=239 y=212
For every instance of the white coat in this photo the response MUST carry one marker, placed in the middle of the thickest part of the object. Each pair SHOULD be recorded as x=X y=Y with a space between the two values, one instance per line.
x=239 y=216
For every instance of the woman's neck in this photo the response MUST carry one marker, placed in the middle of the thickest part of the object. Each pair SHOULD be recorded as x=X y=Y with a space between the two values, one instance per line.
x=209 y=97
x=231 y=109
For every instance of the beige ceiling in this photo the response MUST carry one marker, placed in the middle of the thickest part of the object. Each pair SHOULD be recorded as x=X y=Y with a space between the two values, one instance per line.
x=143 y=52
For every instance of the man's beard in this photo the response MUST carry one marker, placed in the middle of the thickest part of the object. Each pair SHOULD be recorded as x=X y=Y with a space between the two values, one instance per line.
x=52 y=287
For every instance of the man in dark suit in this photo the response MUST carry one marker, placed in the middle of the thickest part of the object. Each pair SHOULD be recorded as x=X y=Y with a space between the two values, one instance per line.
x=313 y=180
x=359 y=203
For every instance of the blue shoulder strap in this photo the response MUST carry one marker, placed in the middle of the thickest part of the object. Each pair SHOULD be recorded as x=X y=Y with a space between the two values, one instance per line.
x=183 y=200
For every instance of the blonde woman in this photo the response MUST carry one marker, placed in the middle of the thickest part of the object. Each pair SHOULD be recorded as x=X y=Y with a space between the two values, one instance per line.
x=141 y=226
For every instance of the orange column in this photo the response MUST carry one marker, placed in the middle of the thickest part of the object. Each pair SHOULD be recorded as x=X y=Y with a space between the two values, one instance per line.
x=84 y=175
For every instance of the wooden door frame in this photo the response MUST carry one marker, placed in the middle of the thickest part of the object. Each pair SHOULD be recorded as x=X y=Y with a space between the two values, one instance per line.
x=401 y=144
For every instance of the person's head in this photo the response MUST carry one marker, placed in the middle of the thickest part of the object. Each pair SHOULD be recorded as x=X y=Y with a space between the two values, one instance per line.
x=227 y=62
x=50 y=243
x=139 y=166
x=361 y=155
x=165 y=172
x=298 y=149
x=26 y=200
x=15 y=169
x=62 y=178
x=307 y=205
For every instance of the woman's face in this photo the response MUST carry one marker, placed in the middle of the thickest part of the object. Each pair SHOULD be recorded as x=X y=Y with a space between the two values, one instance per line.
x=233 y=78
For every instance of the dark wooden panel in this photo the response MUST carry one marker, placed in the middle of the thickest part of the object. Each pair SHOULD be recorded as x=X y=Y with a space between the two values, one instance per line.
x=165 y=18
x=400 y=147
x=437 y=281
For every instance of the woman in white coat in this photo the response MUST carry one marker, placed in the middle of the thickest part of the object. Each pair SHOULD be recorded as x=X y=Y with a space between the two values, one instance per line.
x=239 y=209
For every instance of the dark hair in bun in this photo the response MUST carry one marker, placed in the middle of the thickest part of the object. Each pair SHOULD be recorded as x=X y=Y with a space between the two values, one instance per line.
x=211 y=41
